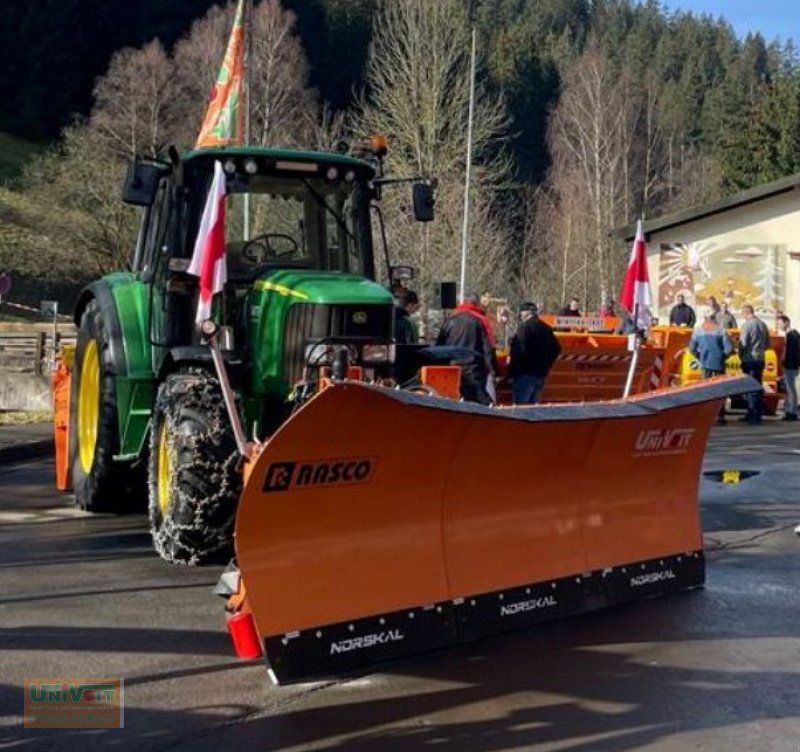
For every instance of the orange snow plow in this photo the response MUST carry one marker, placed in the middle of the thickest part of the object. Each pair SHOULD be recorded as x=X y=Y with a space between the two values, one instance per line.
x=372 y=524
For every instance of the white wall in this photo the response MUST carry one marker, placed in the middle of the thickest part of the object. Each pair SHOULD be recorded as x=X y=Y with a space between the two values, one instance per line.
x=773 y=221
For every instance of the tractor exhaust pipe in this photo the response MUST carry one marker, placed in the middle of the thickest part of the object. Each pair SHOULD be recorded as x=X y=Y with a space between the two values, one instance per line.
x=210 y=333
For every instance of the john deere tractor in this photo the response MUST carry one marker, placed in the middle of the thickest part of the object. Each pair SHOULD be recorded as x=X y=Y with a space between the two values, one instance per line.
x=147 y=416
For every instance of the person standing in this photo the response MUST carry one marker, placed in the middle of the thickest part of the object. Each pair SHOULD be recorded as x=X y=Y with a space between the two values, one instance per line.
x=682 y=314
x=711 y=345
x=466 y=329
x=753 y=344
x=711 y=302
x=725 y=318
x=534 y=349
x=572 y=308
x=791 y=365
x=405 y=303
x=607 y=310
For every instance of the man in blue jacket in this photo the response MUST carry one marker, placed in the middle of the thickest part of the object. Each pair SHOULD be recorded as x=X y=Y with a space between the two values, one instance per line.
x=711 y=345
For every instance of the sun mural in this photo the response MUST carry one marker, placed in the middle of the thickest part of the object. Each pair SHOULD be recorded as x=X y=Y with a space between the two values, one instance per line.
x=736 y=273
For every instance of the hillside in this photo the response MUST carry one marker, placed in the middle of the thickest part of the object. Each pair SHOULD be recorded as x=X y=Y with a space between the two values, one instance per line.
x=14 y=152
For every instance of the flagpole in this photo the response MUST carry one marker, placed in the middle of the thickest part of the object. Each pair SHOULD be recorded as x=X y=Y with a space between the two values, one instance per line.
x=635 y=356
x=248 y=44
x=467 y=177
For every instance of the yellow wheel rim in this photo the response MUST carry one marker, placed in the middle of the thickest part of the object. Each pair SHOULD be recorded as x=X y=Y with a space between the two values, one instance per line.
x=163 y=470
x=88 y=405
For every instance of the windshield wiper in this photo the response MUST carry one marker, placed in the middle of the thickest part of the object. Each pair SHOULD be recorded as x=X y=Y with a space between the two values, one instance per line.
x=322 y=202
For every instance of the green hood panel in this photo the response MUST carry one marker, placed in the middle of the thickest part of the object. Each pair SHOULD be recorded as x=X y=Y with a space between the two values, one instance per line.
x=269 y=302
x=312 y=286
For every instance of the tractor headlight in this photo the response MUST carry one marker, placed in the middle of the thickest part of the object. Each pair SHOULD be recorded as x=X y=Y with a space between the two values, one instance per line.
x=377 y=354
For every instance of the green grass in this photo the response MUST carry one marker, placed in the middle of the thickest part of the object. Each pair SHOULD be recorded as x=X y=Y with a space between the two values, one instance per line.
x=14 y=152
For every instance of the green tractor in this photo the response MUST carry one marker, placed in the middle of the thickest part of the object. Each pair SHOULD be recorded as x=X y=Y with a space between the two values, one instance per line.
x=147 y=412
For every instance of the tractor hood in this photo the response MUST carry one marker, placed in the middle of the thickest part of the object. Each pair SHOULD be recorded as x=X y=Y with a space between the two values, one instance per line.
x=314 y=286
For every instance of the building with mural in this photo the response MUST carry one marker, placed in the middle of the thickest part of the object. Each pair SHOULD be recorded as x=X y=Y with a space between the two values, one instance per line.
x=742 y=249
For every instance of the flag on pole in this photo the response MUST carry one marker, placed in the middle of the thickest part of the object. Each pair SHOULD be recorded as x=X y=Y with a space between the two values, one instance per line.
x=208 y=259
x=223 y=124
x=635 y=294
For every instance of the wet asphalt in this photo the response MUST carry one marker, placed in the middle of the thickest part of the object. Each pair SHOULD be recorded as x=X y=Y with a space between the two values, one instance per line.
x=715 y=669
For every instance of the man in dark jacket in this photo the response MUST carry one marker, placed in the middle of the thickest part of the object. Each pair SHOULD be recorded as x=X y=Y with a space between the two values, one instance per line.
x=465 y=329
x=753 y=344
x=791 y=365
x=405 y=303
x=682 y=314
x=534 y=349
x=573 y=308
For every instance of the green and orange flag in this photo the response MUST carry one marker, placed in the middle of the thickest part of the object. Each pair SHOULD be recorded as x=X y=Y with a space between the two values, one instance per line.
x=223 y=124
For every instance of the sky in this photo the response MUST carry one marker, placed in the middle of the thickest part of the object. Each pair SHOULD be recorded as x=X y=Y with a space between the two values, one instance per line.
x=773 y=18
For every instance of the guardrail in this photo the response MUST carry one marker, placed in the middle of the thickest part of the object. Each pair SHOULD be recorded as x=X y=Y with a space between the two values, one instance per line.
x=31 y=348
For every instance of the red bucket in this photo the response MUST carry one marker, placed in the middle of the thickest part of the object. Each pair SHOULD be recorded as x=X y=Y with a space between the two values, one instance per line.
x=246 y=642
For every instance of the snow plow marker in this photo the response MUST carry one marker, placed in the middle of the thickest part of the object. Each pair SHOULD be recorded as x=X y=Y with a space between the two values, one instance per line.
x=373 y=524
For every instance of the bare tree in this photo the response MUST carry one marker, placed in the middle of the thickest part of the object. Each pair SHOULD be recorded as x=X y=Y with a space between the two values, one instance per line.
x=587 y=138
x=132 y=100
x=418 y=82
x=283 y=109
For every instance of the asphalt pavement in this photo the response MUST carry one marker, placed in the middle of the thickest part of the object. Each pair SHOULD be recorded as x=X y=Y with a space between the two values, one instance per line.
x=715 y=669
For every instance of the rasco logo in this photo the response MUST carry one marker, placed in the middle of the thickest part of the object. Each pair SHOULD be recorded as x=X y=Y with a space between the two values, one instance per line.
x=283 y=476
x=665 y=441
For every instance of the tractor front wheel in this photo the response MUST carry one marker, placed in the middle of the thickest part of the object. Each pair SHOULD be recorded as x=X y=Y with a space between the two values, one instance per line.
x=193 y=476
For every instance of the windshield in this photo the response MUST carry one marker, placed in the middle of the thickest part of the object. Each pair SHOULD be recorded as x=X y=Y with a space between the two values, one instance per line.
x=297 y=222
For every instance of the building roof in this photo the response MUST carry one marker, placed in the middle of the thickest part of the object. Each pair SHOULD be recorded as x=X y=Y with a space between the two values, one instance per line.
x=750 y=196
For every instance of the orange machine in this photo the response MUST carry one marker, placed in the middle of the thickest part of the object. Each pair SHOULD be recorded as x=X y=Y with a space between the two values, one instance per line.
x=594 y=366
x=682 y=368
x=354 y=547
x=60 y=388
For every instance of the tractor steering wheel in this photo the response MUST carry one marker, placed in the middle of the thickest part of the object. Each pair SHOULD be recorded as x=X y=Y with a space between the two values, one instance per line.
x=257 y=249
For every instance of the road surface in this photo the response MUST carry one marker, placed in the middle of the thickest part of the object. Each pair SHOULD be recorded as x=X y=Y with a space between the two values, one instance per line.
x=716 y=669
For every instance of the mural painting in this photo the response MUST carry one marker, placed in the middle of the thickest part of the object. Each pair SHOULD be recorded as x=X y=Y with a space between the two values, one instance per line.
x=737 y=273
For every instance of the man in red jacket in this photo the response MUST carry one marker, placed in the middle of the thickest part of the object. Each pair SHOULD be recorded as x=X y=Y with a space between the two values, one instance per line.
x=469 y=328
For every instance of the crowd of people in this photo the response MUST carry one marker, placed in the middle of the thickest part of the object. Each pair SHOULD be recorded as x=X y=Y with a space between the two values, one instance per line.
x=711 y=345
x=534 y=347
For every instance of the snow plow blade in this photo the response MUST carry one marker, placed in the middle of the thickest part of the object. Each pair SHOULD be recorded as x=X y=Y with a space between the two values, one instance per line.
x=377 y=523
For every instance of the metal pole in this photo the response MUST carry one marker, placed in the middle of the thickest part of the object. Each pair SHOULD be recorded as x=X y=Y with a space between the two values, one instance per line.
x=635 y=357
x=468 y=173
x=248 y=36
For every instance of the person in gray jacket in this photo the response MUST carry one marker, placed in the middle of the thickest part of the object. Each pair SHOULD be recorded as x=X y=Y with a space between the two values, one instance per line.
x=753 y=344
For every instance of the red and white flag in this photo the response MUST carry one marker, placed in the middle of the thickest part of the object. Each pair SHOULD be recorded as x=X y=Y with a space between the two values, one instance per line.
x=635 y=294
x=208 y=259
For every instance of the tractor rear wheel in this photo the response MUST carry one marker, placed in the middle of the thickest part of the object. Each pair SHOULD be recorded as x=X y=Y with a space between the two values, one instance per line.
x=100 y=483
x=193 y=475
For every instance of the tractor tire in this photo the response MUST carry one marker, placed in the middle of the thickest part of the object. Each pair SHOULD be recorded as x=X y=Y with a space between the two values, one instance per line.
x=100 y=483
x=193 y=473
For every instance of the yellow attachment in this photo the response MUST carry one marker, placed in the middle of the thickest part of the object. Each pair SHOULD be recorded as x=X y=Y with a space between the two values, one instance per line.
x=731 y=476
x=164 y=465
x=88 y=405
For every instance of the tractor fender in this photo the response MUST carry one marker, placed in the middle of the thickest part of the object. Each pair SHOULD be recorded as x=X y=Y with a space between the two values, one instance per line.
x=124 y=304
x=100 y=291
x=188 y=355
